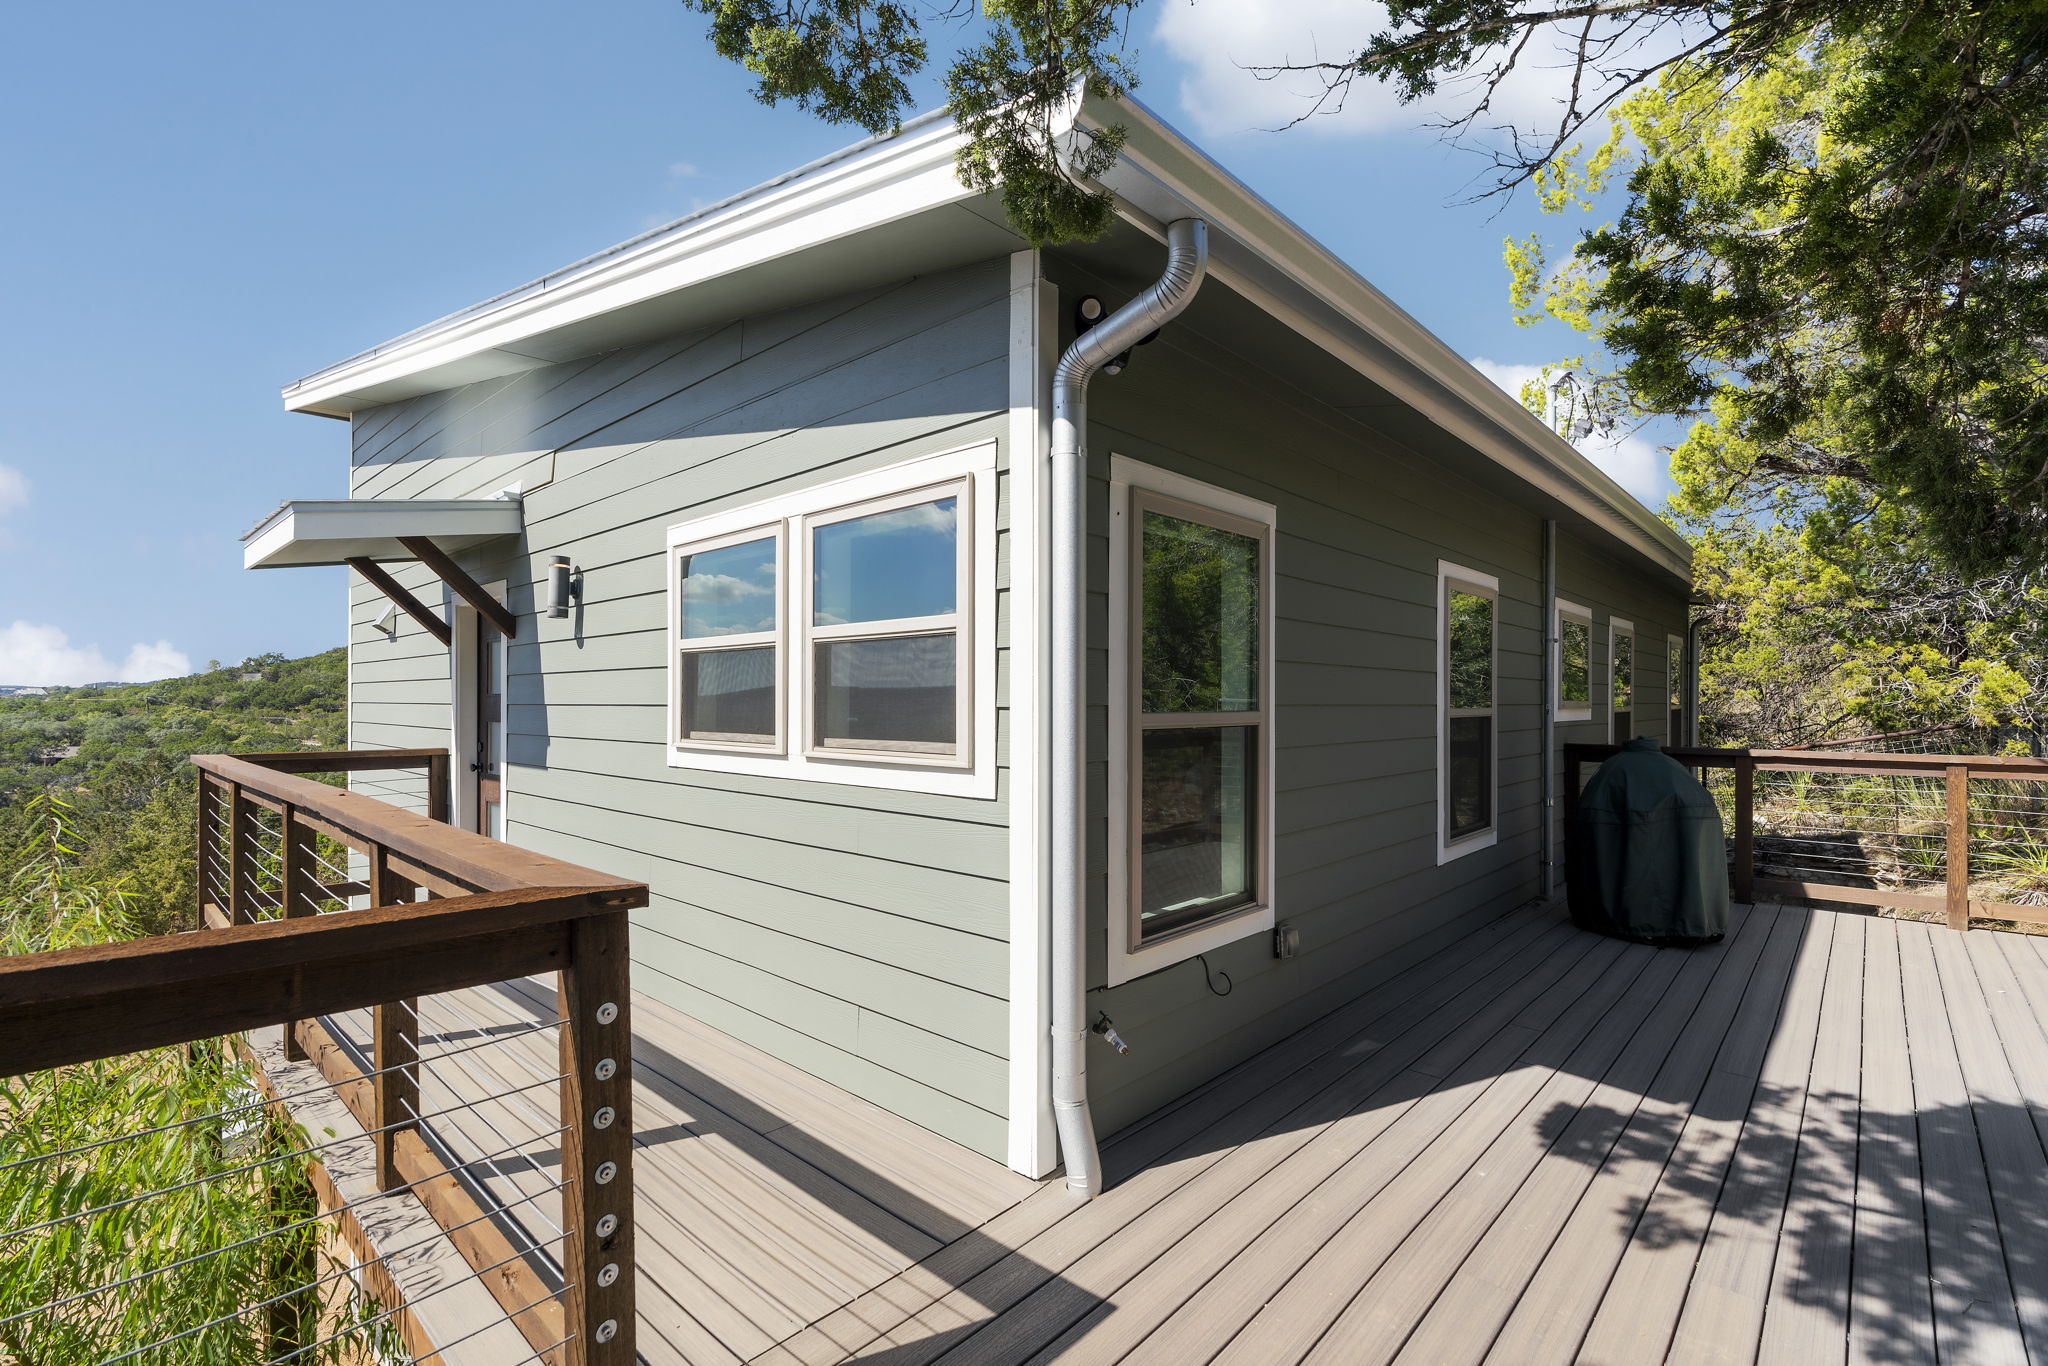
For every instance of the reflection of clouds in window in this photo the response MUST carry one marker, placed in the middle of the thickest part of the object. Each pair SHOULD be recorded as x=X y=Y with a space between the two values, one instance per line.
x=730 y=591
x=887 y=566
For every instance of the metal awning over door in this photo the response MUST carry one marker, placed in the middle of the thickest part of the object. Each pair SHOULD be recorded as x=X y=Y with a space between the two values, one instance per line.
x=366 y=533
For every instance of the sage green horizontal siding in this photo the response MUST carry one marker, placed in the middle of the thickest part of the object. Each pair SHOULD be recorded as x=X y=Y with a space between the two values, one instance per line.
x=1363 y=522
x=858 y=933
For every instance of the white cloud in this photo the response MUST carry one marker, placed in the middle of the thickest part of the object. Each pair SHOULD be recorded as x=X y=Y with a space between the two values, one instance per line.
x=1630 y=461
x=682 y=170
x=13 y=489
x=44 y=655
x=1508 y=377
x=1220 y=39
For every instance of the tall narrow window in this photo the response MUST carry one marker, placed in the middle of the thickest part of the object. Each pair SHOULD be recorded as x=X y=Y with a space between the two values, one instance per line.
x=1467 y=694
x=1574 y=662
x=728 y=641
x=885 y=625
x=1621 y=668
x=1191 y=717
x=1674 y=687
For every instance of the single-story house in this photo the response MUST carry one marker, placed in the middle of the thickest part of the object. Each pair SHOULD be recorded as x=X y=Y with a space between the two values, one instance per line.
x=1030 y=681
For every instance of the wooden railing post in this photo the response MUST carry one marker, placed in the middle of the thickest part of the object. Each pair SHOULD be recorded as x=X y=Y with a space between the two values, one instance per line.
x=1744 y=873
x=594 y=1000
x=395 y=1031
x=439 y=791
x=206 y=875
x=1958 y=857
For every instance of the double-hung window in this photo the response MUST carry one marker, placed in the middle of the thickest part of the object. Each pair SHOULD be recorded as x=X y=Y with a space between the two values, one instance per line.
x=1467 y=695
x=1621 y=673
x=1191 y=718
x=728 y=623
x=886 y=624
x=843 y=632
x=1574 y=661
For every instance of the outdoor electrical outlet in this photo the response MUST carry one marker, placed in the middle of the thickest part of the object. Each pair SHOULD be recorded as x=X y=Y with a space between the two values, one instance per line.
x=1286 y=939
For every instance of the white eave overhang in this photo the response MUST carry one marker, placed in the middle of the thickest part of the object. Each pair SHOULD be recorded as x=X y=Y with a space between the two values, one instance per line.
x=329 y=532
x=894 y=206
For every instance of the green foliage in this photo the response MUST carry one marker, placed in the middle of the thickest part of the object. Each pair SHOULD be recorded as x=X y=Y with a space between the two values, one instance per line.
x=850 y=61
x=195 y=1213
x=1201 y=617
x=128 y=783
x=1471 y=650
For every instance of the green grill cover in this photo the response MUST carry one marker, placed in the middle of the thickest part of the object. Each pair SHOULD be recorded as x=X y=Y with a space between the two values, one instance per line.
x=1646 y=858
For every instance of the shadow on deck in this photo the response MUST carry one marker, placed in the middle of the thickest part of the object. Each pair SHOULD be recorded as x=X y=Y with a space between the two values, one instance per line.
x=1823 y=1138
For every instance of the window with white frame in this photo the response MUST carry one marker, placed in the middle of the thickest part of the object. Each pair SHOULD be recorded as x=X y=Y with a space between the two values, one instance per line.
x=1621 y=675
x=1191 y=717
x=728 y=623
x=888 y=580
x=1467 y=694
x=838 y=633
x=1574 y=661
x=1674 y=689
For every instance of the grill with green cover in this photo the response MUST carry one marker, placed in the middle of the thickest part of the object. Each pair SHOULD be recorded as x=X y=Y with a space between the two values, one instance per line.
x=1645 y=857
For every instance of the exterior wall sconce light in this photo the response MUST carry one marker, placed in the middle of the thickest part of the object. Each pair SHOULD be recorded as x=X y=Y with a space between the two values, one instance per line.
x=387 y=621
x=561 y=586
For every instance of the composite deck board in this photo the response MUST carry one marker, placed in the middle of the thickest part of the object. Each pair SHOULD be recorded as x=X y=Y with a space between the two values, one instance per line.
x=1823 y=1140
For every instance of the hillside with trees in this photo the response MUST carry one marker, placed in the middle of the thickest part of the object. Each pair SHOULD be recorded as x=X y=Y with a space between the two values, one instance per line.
x=115 y=757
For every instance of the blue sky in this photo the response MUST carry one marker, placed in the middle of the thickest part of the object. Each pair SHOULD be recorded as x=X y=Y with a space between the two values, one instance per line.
x=209 y=201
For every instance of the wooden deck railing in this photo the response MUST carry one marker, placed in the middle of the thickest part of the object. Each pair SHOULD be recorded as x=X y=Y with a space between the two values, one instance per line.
x=1947 y=830
x=446 y=909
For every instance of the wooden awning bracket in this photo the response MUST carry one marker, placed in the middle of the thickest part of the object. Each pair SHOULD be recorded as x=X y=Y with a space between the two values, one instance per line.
x=394 y=590
x=466 y=588
x=450 y=573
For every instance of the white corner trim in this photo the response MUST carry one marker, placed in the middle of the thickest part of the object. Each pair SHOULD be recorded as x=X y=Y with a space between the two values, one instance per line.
x=1034 y=334
x=1125 y=961
x=1448 y=849
x=976 y=779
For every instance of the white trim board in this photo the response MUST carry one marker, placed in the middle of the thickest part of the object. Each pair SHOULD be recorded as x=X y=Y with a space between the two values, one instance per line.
x=1034 y=338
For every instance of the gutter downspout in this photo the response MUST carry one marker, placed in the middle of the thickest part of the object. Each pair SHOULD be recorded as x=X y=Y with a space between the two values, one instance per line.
x=1187 y=258
x=1546 y=859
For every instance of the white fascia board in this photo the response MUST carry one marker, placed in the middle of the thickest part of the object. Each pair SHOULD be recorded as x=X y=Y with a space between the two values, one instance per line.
x=1259 y=253
x=869 y=186
x=331 y=531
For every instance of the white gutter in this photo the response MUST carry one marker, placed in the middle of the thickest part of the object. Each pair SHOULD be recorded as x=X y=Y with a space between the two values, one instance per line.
x=1187 y=259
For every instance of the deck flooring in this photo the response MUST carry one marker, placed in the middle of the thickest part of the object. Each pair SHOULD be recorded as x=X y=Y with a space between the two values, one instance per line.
x=1823 y=1140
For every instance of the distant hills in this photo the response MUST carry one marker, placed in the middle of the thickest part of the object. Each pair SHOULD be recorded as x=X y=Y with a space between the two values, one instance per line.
x=63 y=736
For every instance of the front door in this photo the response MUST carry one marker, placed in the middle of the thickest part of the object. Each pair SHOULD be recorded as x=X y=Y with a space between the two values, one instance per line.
x=489 y=763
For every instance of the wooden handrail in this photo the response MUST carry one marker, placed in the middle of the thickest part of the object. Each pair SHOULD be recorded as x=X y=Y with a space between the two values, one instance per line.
x=1843 y=761
x=463 y=857
x=71 y=1005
